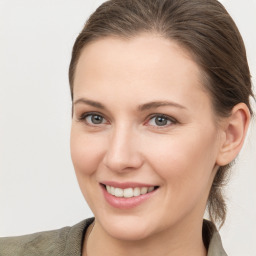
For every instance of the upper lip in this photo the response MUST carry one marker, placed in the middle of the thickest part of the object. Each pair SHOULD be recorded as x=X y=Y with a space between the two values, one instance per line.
x=124 y=185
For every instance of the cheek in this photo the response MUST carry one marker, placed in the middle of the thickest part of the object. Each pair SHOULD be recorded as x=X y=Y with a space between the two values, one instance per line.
x=185 y=166
x=86 y=151
x=86 y=154
x=185 y=162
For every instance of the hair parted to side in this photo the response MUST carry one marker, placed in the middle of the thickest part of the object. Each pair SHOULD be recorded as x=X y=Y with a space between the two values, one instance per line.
x=209 y=34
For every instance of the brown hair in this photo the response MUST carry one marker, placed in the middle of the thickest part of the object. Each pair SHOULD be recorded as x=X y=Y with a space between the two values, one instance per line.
x=210 y=35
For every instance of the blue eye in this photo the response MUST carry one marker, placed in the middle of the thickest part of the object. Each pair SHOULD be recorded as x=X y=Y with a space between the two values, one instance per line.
x=160 y=120
x=94 y=119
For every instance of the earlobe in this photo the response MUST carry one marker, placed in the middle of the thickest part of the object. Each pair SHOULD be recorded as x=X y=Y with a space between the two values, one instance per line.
x=235 y=128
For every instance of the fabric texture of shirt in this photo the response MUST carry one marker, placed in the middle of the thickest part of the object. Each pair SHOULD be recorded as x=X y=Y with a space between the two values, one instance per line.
x=68 y=241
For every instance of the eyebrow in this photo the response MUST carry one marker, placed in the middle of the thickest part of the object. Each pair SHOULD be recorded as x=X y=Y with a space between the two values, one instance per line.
x=142 y=107
x=157 y=104
x=90 y=103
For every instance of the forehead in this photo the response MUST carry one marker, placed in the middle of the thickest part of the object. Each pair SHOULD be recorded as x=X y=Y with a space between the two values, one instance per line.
x=144 y=48
x=146 y=65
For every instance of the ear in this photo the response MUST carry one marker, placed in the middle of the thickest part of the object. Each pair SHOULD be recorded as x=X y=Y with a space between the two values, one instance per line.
x=234 y=131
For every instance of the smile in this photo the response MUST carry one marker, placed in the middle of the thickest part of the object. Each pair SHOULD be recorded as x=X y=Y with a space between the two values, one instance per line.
x=127 y=195
x=128 y=192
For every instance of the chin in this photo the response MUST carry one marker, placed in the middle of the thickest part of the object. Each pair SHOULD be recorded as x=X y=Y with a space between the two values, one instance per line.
x=128 y=228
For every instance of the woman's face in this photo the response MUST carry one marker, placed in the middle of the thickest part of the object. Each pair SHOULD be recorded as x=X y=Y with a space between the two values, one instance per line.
x=142 y=121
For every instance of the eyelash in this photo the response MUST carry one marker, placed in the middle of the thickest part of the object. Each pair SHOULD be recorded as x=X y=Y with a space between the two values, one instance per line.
x=85 y=115
x=171 y=120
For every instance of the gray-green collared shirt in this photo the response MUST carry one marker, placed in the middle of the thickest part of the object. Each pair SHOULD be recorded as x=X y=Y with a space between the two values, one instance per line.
x=68 y=241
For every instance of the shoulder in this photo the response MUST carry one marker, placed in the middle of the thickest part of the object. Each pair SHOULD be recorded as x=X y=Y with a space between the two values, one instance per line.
x=35 y=244
x=64 y=241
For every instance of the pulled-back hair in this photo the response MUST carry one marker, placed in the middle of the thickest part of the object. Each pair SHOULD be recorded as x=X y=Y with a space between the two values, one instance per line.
x=206 y=30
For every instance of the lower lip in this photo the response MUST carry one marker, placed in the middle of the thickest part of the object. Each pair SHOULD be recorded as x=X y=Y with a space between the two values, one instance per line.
x=126 y=203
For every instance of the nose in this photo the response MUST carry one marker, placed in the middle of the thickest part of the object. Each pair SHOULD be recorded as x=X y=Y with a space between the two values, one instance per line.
x=123 y=152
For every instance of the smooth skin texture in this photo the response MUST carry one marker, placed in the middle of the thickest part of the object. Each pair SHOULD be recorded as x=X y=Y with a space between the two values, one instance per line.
x=119 y=135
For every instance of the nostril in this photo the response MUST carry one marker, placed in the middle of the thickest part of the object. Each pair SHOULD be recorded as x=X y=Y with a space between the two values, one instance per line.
x=121 y=158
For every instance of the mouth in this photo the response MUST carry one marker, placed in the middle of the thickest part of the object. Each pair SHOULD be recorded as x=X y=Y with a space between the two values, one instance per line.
x=128 y=195
x=128 y=192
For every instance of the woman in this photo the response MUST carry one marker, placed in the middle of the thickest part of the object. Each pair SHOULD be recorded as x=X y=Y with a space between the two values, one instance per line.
x=160 y=93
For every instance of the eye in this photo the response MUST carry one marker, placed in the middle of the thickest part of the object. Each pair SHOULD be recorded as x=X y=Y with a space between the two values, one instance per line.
x=161 y=120
x=93 y=119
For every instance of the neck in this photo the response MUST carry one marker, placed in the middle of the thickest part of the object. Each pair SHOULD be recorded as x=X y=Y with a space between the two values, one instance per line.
x=178 y=241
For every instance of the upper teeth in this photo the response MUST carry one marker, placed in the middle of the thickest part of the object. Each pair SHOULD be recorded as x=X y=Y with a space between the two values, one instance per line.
x=128 y=192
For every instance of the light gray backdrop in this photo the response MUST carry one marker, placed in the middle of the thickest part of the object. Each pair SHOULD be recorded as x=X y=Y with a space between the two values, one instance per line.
x=38 y=188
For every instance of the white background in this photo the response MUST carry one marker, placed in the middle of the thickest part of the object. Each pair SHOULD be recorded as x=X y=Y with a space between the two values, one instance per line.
x=38 y=188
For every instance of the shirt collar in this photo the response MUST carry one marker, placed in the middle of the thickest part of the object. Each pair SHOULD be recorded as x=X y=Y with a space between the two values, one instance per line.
x=76 y=234
x=212 y=240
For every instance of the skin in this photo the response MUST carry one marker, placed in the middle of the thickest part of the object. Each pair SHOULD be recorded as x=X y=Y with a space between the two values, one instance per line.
x=180 y=157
